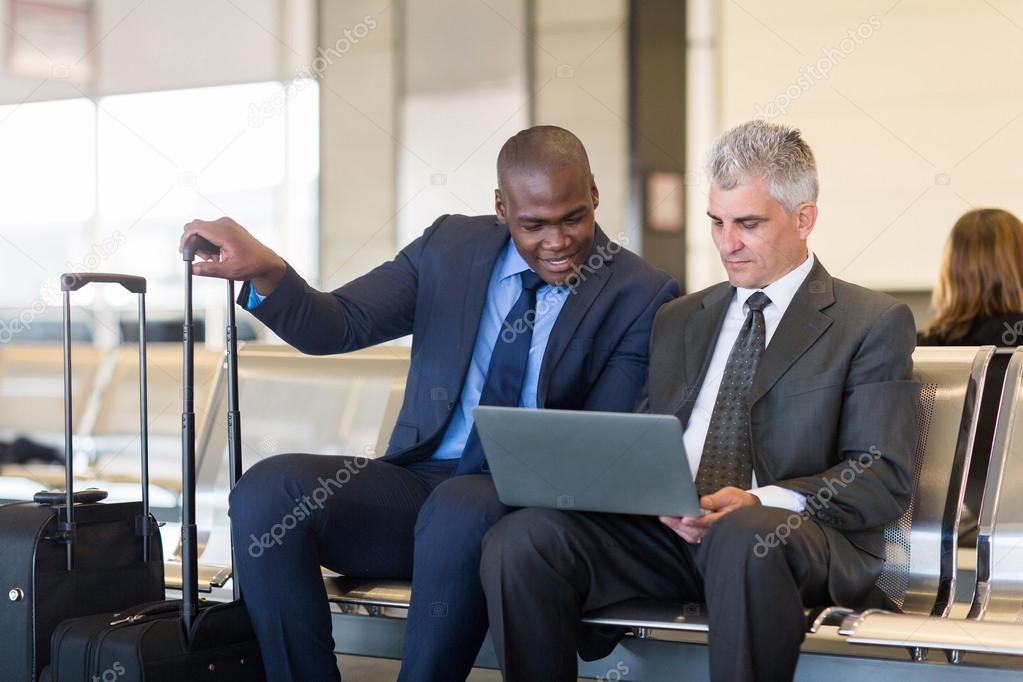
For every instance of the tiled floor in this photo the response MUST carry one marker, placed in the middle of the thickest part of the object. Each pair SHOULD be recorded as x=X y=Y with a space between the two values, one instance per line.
x=363 y=669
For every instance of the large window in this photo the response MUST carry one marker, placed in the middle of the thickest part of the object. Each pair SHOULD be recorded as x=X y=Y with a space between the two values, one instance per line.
x=107 y=185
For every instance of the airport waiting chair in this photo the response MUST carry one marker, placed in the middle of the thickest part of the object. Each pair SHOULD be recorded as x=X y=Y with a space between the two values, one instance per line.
x=32 y=387
x=112 y=429
x=981 y=455
x=290 y=402
x=993 y=624
x=32 y=405
x=920 y=573
x=919 y=577
x=105 y=409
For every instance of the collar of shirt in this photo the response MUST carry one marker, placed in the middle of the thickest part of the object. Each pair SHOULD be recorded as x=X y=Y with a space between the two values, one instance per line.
x=782 y=291
x=512 y=262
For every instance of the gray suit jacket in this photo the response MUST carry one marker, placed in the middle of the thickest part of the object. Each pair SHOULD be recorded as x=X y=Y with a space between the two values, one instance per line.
x=834 y=387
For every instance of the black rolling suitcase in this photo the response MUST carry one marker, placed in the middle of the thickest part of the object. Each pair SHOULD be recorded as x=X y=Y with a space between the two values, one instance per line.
x=61 y=560
x=172 y=641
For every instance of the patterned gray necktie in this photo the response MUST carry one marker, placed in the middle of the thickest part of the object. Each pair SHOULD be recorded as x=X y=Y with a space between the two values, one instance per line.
x=727 y=458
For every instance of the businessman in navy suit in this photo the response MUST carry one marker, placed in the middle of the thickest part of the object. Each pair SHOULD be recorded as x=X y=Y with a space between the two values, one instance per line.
x=533 y=307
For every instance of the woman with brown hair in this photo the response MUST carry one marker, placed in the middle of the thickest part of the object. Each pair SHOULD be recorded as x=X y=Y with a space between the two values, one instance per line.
x=978 y=302
x=979 y=297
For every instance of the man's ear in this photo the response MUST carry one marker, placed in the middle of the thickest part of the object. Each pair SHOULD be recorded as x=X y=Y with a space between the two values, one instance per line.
x=806 y=218
x=499 y=208
x=594 y=194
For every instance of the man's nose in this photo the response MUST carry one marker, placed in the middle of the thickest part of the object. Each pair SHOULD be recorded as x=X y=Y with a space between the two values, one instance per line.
x=730 y=240
x=556 y=239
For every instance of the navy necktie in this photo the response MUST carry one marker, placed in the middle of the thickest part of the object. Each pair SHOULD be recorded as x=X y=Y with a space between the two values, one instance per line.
x=727 y=458
x=503 y=384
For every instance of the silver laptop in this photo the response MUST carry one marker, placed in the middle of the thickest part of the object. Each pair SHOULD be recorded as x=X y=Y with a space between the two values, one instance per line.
x=588 y=461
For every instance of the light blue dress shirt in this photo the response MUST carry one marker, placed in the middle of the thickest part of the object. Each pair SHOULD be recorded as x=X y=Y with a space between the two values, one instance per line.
x=254 y=298
x=502 y=292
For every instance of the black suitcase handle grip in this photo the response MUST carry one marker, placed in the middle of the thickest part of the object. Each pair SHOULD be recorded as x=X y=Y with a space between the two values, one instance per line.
x=73 y=281
x=194 y=245
x=52 y=497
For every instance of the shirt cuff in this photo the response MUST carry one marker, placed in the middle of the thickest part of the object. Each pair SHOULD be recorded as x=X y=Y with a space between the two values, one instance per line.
x=254 y=298
x=777 y=496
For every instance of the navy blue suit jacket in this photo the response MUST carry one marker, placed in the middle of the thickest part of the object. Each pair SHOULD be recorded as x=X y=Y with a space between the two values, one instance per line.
x=435 y=289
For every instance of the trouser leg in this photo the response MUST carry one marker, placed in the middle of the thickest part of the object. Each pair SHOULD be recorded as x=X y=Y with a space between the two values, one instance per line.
x=756 y=594
x=543 y=568
x=447 y=620
x=290 y=514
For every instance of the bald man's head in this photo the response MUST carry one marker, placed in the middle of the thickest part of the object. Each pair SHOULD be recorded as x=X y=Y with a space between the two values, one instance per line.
x=547 y=197
x=543 y=149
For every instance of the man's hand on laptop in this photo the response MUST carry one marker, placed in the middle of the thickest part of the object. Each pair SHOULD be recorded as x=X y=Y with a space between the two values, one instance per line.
x=242 y=256
x=693 y=528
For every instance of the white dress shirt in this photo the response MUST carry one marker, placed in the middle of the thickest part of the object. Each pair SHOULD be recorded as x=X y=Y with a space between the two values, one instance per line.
x=781 y=293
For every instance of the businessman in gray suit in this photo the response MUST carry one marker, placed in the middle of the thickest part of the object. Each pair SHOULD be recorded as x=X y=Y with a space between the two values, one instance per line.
x=794 y=389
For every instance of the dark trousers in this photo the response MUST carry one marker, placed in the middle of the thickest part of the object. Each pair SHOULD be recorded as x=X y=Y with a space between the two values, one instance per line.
x=290 y=514
x=543 y=568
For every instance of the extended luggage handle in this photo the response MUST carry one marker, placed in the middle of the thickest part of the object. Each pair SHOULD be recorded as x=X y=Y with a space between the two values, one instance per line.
x=50 y=498
x=73 y=281
x=196 y=244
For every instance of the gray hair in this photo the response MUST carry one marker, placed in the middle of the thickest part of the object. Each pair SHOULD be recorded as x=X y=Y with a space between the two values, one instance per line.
x=772 y=151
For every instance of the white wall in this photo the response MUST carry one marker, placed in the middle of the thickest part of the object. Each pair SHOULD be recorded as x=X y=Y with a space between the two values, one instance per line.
x=429 y=106
x=580 y=74
x=358 y=138
x=463 y=92
x=919 y=118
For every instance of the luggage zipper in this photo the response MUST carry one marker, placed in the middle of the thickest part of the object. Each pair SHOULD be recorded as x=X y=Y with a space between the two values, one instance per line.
x=92 y=652
x=145 y=610
x=130 y=619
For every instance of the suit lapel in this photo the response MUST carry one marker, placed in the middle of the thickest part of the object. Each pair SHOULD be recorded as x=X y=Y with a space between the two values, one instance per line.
x=587 y=283
x=701 y=335
x=799 y=328
x=486 y=248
